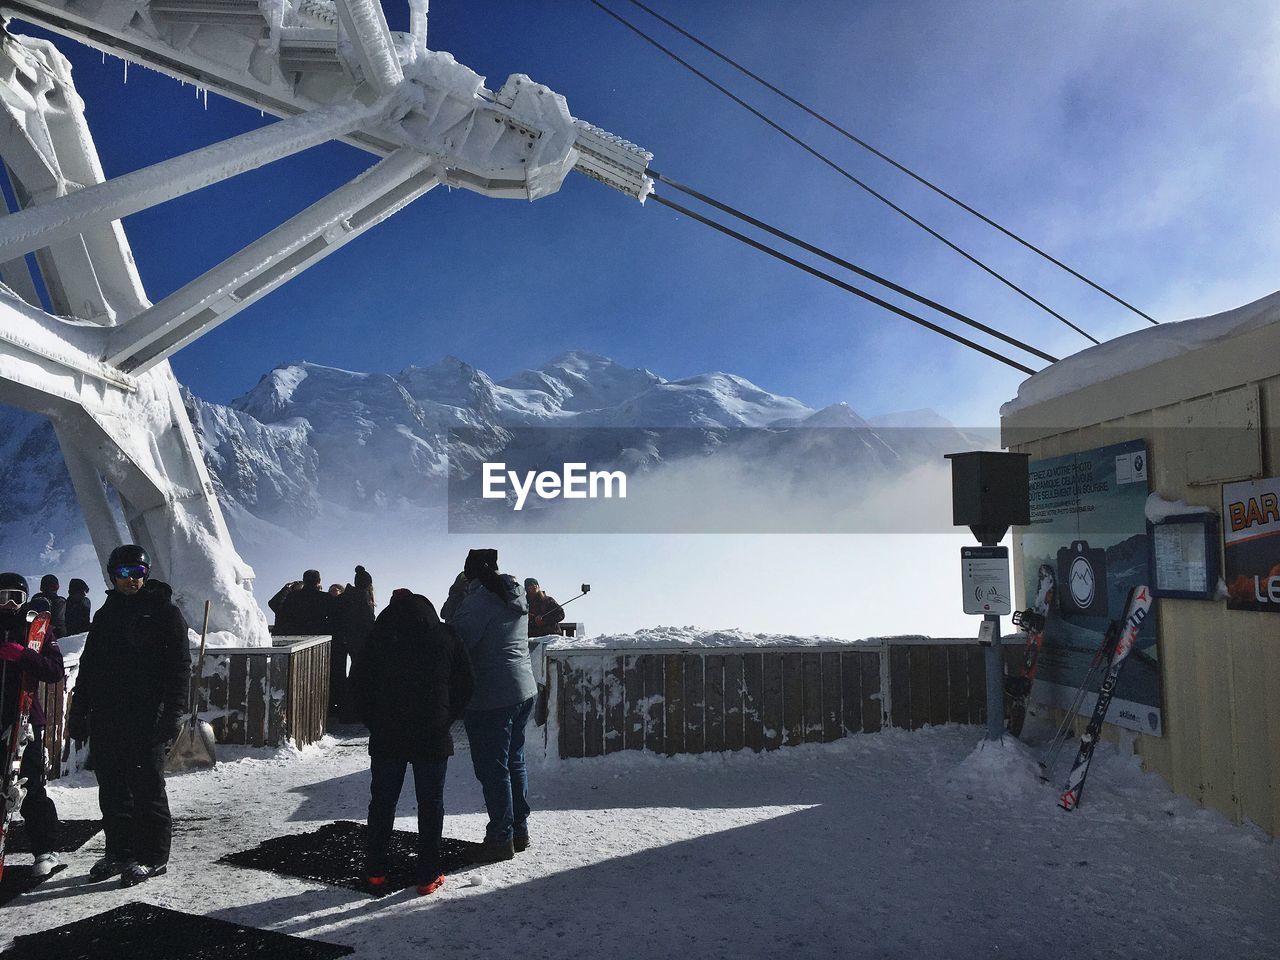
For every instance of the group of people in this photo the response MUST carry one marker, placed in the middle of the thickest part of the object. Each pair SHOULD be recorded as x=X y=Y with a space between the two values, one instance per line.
x=415 y=672
x=421 y=670
x=304 y=608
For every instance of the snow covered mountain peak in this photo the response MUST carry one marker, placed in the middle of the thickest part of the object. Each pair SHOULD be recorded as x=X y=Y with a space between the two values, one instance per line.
x=451 y=382
x=709 y=400
x=573 y=383
x=837 y=415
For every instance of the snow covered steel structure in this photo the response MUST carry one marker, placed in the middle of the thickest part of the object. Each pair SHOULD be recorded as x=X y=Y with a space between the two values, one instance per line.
x=96 y=365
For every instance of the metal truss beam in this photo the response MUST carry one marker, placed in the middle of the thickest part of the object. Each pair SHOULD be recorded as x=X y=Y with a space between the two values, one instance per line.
x=263 y=265
x=70 y=215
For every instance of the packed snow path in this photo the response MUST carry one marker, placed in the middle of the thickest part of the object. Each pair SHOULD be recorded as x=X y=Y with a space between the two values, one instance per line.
x=890 y=845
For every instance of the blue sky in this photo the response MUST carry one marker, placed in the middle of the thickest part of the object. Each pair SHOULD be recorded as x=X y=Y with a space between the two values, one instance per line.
x=1136 y=141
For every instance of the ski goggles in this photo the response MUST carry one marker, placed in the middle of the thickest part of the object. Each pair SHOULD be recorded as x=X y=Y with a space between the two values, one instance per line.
x=15 y=597
x=133 y=571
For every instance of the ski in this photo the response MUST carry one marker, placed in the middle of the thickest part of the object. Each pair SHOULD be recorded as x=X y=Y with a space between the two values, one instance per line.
x=12 y=787
x=1101 y=656
x=1135 y=612
x=1018 y=689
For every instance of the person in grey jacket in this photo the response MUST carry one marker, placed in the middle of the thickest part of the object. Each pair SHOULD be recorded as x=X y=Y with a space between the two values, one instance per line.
x=491 y=618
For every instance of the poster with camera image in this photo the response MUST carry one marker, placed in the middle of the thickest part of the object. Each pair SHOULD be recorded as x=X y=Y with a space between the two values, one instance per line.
x=1087 y=545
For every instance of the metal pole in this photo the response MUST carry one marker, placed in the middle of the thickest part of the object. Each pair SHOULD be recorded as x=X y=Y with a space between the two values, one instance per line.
x=995 y=678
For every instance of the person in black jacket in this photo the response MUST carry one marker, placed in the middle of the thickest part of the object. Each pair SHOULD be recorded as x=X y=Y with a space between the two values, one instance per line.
x=78 y=607
x=352 y=624
x=412 y=681
x=57 y=605
x=22 y=667
x=130 y=694
x=303 y=611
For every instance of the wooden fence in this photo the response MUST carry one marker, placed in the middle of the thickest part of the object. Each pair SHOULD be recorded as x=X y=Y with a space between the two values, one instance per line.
x=254 y=696
x=706 y=699
x=263 y=696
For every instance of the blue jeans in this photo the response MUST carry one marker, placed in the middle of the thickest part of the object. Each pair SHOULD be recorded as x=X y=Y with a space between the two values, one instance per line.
x=497 y=754
x=386 y=780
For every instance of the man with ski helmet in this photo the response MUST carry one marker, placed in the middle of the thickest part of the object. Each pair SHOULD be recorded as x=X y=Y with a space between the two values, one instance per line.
x=21 y=665
x=135 y=674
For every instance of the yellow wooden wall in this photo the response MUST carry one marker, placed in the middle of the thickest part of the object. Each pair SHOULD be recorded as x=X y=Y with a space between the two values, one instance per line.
x=1220 y=668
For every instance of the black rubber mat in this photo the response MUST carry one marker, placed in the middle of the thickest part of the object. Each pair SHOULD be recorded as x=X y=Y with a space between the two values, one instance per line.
x=140 y=931
x=334 y=854
x=72 y=835
x=18 y=879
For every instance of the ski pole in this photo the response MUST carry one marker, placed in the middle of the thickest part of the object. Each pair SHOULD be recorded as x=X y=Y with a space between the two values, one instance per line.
x=1060 y=737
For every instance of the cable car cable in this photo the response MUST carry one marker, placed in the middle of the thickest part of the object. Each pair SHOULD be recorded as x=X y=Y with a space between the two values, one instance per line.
x=814 y=271
x=892 y=162
x=843 y=172
x=832 y=258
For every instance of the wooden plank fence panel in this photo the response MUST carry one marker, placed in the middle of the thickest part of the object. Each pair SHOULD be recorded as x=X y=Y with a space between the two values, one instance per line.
x=811 y=709
x=278 y=686
x=734 y=691
x=872 y=701
x=306 y=684
x=313 y=693
x=256 y=698
x=918 y=657
x=957 y=685
x=900 y=687
x=654 y=728
x=614 y=700
x=675 y=702
x=713 y=670
x=217 y=693
x=53 y=697
x=694 y=699
x=832 y=713
x=977 y=685
x=753 y=701
x=591 y=687
x=939 y=691
x=320 y=653
x=237 y=694
x=571 y=718
x=633 y=702
x=851 y=691
x=771 y=671
x=674 y=669
x=792 y=699
x=256 y=701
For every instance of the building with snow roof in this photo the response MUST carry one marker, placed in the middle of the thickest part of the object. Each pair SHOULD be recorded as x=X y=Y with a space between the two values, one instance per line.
x=1202 y=397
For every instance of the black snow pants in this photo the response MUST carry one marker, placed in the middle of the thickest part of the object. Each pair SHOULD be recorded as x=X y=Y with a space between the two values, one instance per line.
x=38 y=810
x=131 y=793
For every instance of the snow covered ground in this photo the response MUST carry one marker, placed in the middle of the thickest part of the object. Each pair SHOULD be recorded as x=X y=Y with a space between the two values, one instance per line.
x=889 y=845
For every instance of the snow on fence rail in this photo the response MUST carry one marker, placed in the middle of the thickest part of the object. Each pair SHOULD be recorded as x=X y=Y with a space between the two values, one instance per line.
x=708 y=699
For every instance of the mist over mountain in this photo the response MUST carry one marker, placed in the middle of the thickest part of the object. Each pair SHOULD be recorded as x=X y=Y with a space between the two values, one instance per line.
x=312 y=449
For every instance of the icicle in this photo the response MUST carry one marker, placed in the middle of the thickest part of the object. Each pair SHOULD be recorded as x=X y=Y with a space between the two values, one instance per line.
x=206 y=98
x=126 y=71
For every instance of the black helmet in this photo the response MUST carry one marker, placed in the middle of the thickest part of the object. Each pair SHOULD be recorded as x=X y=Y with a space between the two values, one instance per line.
x=128 y=555
x=13 y=583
